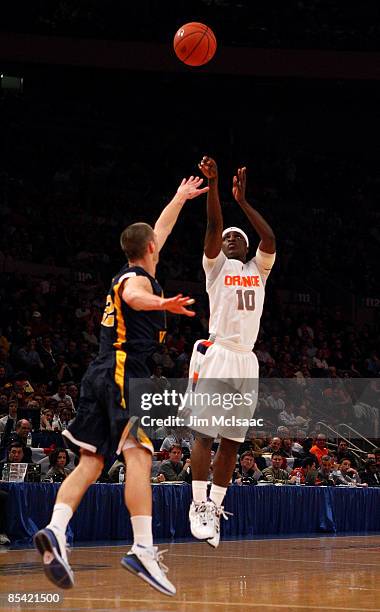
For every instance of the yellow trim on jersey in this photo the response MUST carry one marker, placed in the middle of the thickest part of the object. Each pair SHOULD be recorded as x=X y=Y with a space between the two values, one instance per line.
x=121 y=357
x=108 y=319
x=121 y=337
x=144 y=439
x=121 y=330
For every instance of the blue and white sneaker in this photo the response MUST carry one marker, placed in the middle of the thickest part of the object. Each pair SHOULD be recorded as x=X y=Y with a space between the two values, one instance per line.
x=51 y=544
x=146 y=562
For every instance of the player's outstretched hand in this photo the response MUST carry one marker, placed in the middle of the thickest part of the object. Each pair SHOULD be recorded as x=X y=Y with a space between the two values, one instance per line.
x=239 y=185
x=191 y=188
x=208 y=167
x=177 y=305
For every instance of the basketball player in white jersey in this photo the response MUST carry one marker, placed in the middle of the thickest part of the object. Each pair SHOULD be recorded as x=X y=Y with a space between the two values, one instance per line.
x=236 y=289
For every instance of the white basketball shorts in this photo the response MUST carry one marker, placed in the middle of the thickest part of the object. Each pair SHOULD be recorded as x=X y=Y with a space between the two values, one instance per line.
x=223 y=389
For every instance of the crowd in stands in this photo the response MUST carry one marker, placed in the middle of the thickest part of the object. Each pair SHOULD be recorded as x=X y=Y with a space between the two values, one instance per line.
x=318 y=24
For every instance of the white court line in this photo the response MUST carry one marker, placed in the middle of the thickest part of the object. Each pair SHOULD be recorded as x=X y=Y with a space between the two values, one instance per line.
x=334 y=538
x=261 y=558
x=209 y=603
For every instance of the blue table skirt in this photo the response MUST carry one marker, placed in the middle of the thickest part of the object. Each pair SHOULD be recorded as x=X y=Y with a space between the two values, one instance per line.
x=268 y=510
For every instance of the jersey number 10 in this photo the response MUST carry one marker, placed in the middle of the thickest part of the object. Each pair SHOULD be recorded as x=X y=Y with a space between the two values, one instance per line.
x=246 y=299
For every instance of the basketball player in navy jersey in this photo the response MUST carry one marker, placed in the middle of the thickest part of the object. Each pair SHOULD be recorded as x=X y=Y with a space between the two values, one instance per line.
x=133 y=321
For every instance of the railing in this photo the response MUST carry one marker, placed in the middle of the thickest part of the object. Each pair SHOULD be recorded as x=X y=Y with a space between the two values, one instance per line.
x=351 y=446
x=357 y=433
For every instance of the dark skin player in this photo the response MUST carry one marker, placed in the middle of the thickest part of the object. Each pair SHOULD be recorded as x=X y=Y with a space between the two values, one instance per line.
x=233 y=246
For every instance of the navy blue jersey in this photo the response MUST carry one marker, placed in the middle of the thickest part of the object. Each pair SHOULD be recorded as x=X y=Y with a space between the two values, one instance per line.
x=136 y=332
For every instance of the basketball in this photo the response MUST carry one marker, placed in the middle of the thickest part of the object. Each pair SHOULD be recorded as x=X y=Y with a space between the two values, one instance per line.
x=194 y=44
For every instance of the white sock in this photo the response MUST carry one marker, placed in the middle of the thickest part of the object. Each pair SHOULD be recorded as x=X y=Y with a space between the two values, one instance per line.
x=199 y=490
x=217 y=494
x=62 y=513
x=142 y=530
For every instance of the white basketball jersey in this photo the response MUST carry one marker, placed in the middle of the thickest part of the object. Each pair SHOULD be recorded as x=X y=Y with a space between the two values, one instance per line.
x=236 y=292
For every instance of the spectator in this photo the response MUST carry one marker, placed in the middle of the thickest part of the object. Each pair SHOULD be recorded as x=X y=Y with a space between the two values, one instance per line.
x=12 y=414
x=30 y=360
x=175 y=437
x=319 y=449
x=344 y=453
x=172 y=468
x=72 y=390
x=47 y=416
x=287 y=448
x=275 y=474
x=65 y=417
x=15 y=454
x=303 y=417
x=304 y=453
x=307 y=472
x=287 y=417
x=324 y=474
x=20 y=436
x=319 y=364
x=47 y=357
x=370 y=475
x=59 y=460
x=275 y=401
x=62 y=396
x=274 y=446
x=63 y=372
x=248 y=472
x=346 y=475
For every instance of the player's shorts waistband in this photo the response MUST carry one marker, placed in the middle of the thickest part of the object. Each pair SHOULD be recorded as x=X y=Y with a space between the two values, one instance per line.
x=233 y=346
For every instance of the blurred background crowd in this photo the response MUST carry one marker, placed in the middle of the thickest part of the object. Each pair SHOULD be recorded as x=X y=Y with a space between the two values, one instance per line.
x=84 y=152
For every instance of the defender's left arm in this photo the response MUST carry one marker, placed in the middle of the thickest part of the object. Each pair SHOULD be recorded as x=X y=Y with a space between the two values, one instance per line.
x=189 y=188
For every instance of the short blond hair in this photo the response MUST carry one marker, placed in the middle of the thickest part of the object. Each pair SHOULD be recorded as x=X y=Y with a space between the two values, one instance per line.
x=134 y=240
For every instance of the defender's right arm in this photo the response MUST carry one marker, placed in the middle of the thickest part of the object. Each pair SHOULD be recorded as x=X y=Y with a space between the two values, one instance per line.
x=138 y=294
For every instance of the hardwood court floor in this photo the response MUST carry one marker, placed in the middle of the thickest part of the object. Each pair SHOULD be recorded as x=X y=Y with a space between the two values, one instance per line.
x=311 y=574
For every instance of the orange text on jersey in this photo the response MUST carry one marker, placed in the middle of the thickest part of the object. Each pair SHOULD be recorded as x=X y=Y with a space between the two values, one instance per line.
x=242 y=281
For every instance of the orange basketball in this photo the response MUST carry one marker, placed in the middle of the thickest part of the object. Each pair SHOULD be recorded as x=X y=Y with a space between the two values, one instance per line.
x=194 y=44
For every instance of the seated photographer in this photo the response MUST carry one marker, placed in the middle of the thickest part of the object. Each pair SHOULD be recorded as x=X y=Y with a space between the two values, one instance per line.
x=58 y=460
x=173 y=469
x=247 y=472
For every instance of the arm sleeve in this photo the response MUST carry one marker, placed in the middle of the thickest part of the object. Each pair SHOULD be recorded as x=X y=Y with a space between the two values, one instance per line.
x=264 y=262
x=212 y=267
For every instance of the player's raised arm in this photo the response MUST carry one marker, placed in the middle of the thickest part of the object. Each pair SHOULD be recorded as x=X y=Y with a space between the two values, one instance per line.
x=138 y=294
x=189 y=188
x=213 y=238
x=268 y=240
